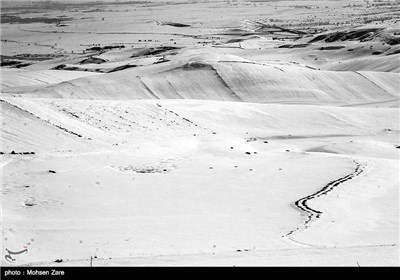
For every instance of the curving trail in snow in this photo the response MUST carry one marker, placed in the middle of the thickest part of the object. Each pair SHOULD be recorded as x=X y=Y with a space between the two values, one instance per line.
x=302 y=203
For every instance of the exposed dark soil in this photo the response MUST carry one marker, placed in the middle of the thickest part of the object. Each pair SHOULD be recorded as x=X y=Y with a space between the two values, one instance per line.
x=152 y=51
x=99 y=70
x=329 y=48
x=105 y=48
x=176 y=24
x=359 y=34
x=18 y=153
x=288 y=46
x=92 y=60
x=24 y=60
x=195 y=65
x=123 y=67
x=16 y=19
x=13 y=63
x=393 y=41
x=394 y=52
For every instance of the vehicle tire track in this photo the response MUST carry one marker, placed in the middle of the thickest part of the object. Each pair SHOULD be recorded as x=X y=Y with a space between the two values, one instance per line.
x=369 y=80
x=148 y=89
x=234 y=95
x=312 y=214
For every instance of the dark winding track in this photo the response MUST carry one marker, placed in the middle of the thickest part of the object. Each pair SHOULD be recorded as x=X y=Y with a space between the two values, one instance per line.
x=312 y=213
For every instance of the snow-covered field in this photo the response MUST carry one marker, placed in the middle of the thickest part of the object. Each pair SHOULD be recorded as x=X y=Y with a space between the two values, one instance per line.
x=225 y=142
